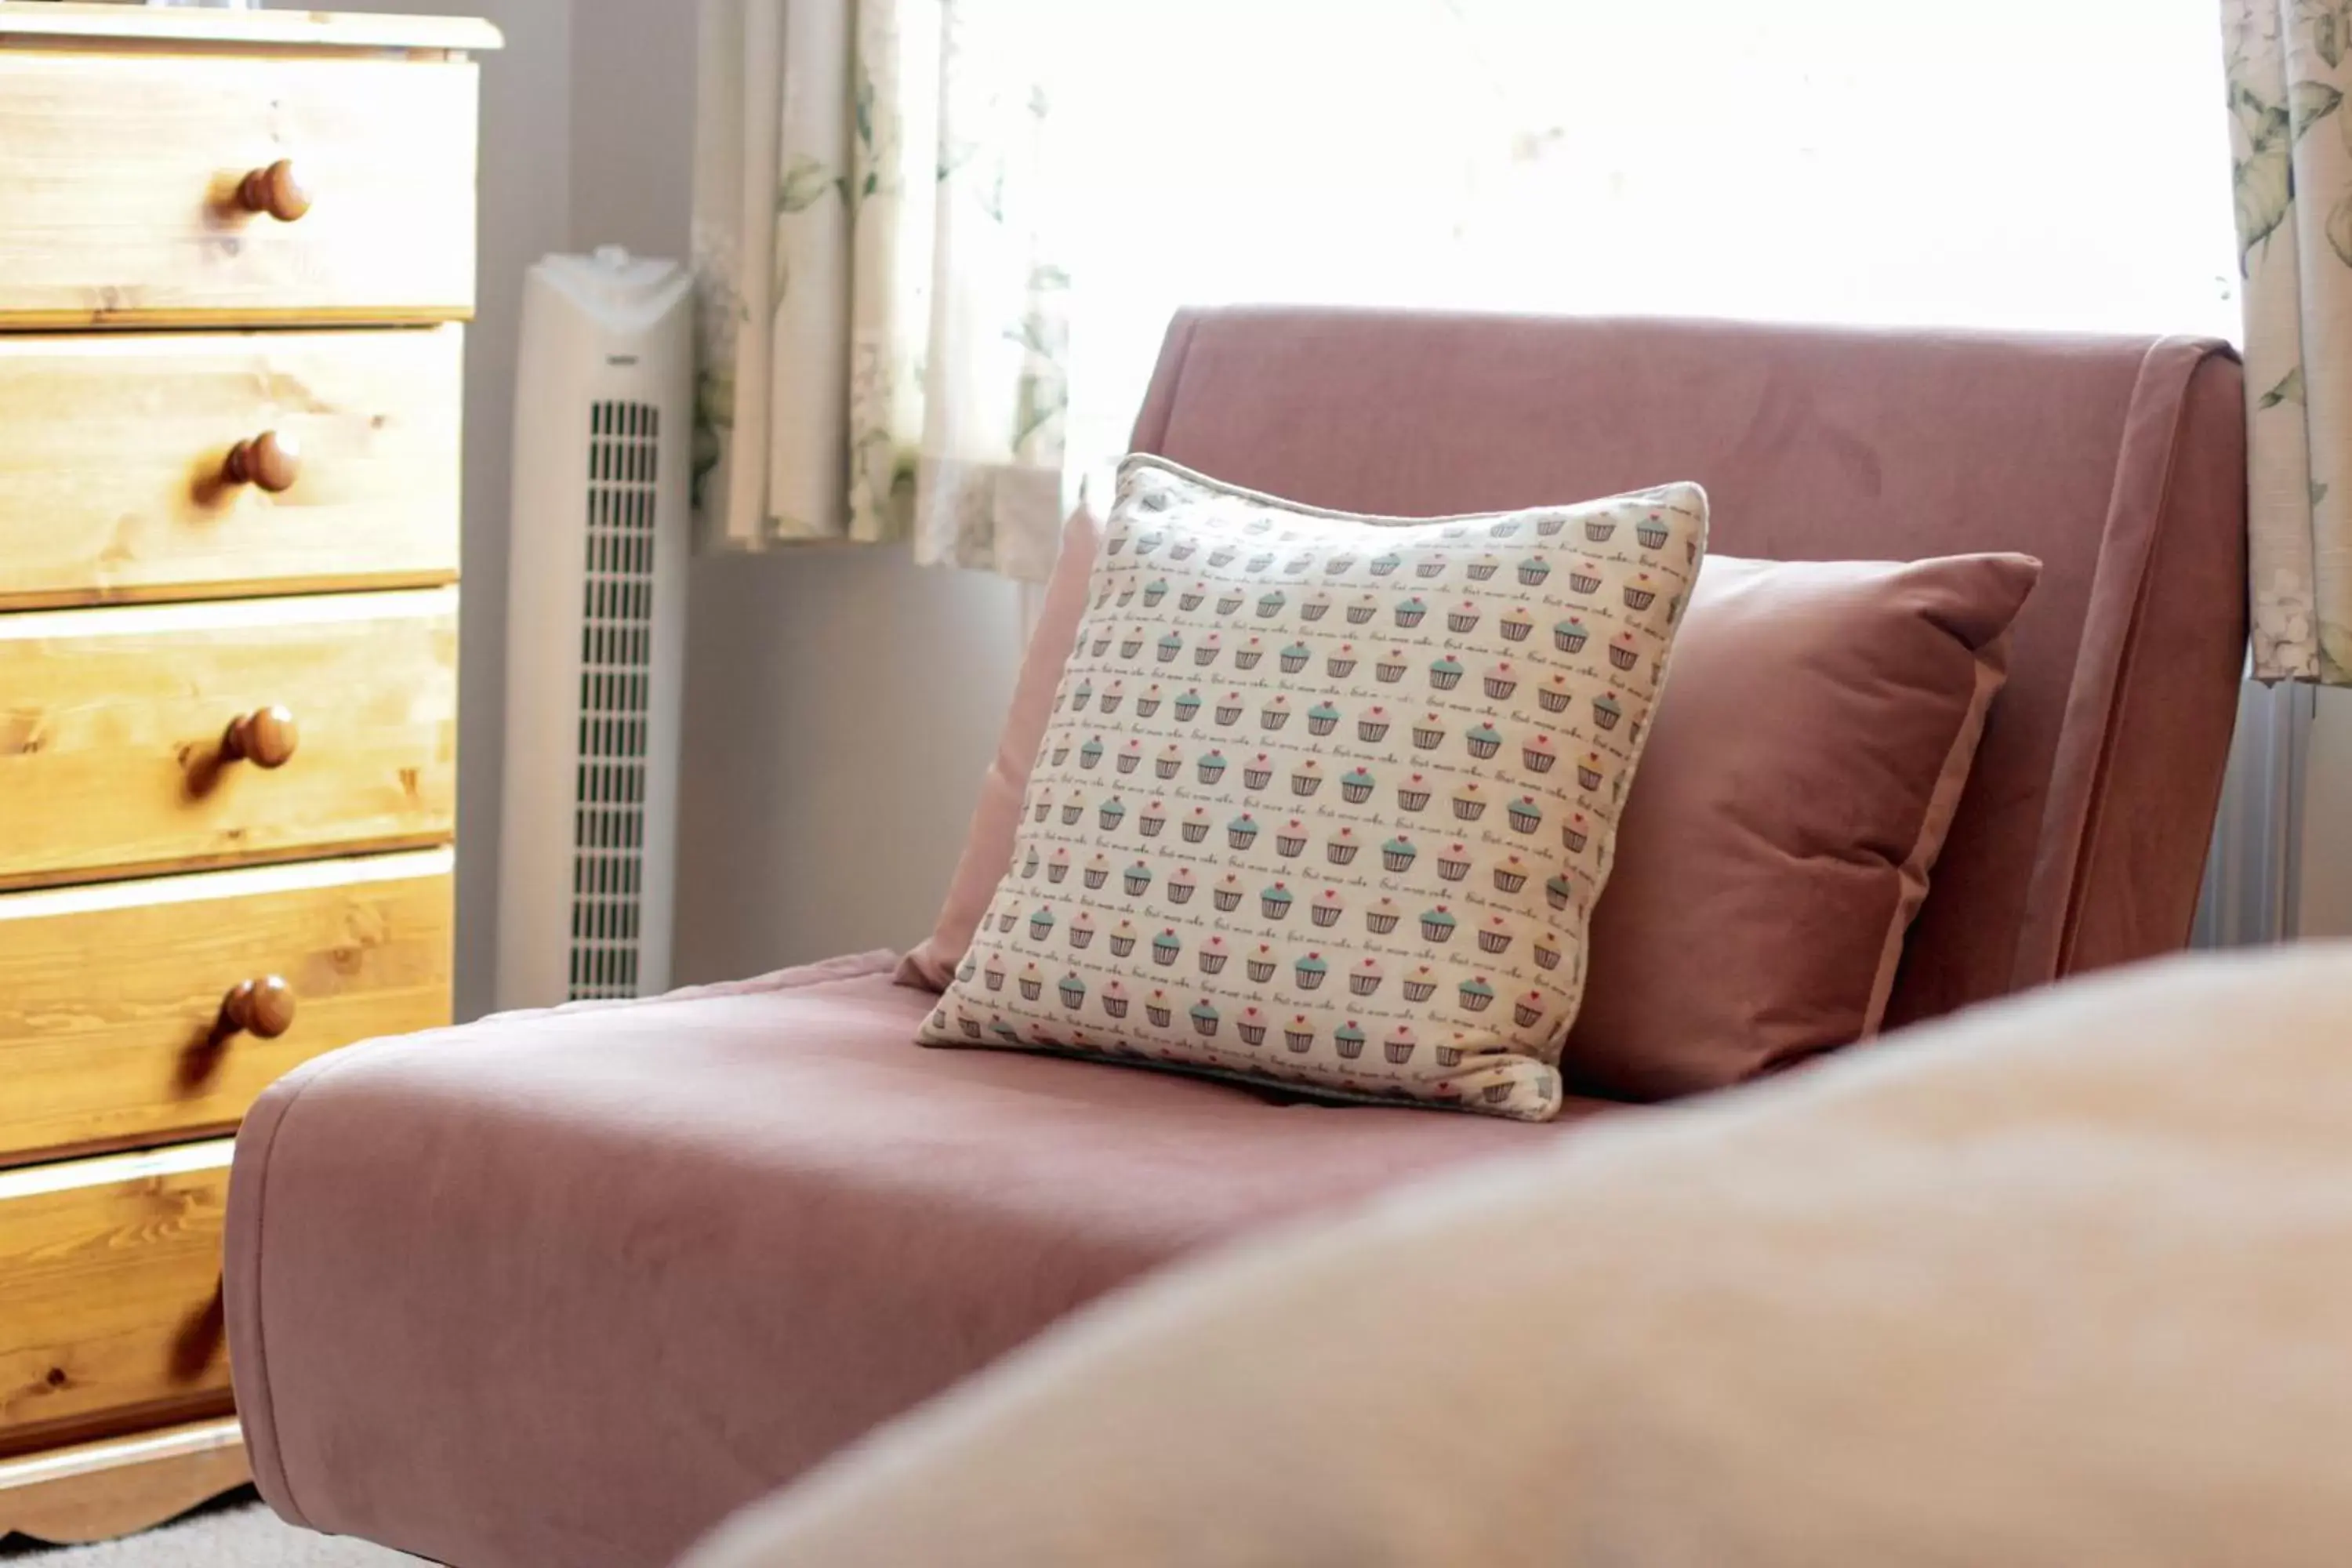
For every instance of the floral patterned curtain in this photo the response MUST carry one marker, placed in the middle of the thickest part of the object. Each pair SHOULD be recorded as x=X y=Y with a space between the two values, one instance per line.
x=883 y=314
x=2291 y=132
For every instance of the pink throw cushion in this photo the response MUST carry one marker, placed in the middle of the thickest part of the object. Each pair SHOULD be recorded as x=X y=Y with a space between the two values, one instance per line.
x=988 y=848
x=1802 y=775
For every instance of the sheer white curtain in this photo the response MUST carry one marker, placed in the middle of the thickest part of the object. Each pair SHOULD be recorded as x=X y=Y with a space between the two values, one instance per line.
x=882 y=299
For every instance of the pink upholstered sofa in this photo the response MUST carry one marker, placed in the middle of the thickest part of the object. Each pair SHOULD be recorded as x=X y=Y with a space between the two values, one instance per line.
x=565 y=1287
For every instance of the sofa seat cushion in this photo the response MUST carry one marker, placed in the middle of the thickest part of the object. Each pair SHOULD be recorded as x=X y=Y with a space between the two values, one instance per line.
x=566 y=1287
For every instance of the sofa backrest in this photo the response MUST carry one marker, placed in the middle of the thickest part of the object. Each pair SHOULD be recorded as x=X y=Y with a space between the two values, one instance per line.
x=2118 y=461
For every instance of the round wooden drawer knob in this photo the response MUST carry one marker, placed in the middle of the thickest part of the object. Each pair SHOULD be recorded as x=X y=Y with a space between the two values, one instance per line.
x=271 y=460
x=276 y=190
x=266 y=738
x=262 y=1008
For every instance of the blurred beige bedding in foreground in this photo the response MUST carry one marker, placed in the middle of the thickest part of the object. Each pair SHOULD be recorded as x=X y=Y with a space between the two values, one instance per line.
x=2063 y=1281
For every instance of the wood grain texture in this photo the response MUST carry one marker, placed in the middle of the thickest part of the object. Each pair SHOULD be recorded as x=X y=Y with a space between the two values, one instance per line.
x=95 y=1491
x=308 y=29
x=113 y=451
x=122 y=170
x=111 y=723
x=111 y=995
x=109 y=1294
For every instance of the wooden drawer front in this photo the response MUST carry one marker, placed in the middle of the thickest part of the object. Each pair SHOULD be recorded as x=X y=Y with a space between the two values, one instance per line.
x=111 y=1029
x=123 y=169
x=114 y=450
x=110 y=1293
x=113 y=756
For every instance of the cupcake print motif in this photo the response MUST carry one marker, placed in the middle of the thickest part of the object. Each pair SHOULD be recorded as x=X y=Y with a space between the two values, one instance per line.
x=1398 y=783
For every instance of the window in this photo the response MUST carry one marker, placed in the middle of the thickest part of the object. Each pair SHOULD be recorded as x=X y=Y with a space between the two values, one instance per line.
x=2044 y=163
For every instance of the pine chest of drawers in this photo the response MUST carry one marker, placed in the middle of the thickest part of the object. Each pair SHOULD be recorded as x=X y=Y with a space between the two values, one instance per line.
x=235 y=253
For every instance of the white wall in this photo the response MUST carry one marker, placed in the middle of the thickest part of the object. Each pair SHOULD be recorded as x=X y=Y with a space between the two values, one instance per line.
x=841 y=706
x=2327 y=863
x=525 y=212
x=840 y=703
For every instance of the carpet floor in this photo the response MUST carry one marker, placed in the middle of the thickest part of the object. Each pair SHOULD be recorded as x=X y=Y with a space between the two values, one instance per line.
x=231 y=1532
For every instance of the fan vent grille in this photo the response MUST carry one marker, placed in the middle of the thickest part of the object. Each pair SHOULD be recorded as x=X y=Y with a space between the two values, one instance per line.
x=608 y=810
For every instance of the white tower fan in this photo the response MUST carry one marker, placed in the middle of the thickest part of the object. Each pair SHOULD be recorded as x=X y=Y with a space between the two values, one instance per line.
x=595 y=639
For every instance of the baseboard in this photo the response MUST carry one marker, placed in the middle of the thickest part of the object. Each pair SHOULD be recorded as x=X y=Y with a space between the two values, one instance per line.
x=118 y=1486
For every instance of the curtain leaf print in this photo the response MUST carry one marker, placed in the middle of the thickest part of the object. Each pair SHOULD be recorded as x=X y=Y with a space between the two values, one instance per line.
x=2264 y=175
x=2310 y=102
x=806 y=183
x=2288 y=390
x=2330 y=23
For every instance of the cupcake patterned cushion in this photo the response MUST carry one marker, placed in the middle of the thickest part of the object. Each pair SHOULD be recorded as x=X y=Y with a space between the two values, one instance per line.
x=1370 y=796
